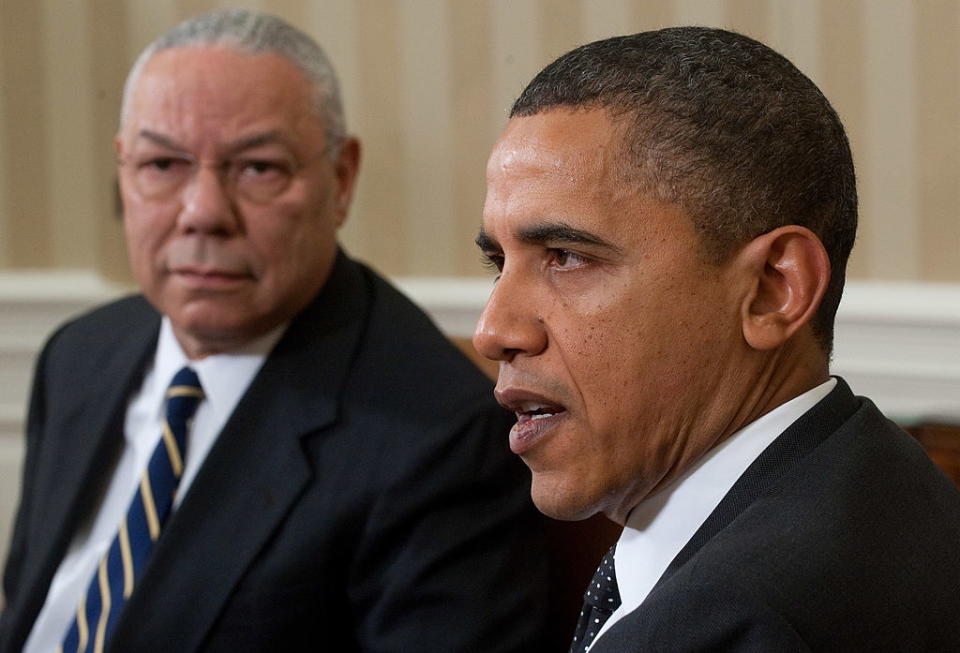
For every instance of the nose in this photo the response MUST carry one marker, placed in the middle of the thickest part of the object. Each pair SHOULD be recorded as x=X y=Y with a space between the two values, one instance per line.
x=206 y=205
x=509 y=325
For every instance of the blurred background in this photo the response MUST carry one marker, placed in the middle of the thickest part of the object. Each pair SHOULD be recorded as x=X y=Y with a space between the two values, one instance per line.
x=427 y=85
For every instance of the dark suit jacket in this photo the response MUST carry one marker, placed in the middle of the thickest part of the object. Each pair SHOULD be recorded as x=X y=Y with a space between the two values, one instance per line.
x=361 y=497
x=841 y=536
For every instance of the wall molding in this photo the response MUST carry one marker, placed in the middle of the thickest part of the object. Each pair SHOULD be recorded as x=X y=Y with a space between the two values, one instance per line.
x=896 y=342
x=32 y=304
x=899 y=343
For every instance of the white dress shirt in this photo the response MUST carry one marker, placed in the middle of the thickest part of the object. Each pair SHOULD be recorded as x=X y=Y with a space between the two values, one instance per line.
x=660 y=526
x=225 y=378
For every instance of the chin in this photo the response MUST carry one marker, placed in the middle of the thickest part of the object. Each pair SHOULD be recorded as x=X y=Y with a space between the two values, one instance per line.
x=560 y=501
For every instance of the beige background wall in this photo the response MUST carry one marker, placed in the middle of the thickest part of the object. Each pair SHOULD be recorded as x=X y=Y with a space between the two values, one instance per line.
x=427 y=84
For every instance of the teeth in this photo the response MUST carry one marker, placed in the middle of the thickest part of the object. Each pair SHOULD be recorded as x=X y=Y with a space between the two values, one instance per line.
x=535 y=410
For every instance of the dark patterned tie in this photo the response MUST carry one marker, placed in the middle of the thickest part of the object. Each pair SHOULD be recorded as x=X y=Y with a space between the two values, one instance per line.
x=599 y=601
x=118 y=571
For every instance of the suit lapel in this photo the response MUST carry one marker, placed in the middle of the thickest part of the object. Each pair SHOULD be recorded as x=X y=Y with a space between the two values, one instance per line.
x=252 y=477
x=776 y=460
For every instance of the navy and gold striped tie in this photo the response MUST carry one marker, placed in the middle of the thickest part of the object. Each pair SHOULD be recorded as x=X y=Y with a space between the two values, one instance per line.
x=118 y=571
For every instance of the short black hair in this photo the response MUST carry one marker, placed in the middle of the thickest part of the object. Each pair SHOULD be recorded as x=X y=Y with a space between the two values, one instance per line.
x=724 y=127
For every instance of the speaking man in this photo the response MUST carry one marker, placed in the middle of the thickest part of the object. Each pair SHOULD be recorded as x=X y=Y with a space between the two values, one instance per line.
x=670 y=214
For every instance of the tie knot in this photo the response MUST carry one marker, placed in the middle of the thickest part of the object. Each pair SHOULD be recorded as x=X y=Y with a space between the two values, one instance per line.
x=183 y=396
x=185 y=383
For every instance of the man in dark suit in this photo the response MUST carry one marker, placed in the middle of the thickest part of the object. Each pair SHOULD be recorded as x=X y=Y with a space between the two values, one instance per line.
x=671 y=214
x=338 y=476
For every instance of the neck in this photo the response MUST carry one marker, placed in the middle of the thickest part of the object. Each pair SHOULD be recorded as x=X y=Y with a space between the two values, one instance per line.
x=784 y=374
x=196 y=348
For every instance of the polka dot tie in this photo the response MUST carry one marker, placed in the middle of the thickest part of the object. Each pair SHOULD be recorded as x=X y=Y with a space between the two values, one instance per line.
x=599 y=601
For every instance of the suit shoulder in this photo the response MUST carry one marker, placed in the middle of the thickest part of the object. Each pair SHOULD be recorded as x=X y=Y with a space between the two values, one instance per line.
x=873 y=461
x=401 y=340
x=869 y=490
x=859 y=537
x=100 y=328
x=126 y=310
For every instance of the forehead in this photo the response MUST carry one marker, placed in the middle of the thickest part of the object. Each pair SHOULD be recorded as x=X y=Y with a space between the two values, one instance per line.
x=569 y=169
x=218 y=90
x=564 y=167
x=560 y=145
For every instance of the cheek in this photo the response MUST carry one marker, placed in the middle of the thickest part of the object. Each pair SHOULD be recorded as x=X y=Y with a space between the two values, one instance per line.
x=142 y=236
x=289 y=250
x=146 y=223
x=284 y=241
x=624 y=352
x=609 y=329
x=604 y=354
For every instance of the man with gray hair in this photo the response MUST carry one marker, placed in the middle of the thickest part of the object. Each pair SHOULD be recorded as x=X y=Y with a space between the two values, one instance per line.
x=671 y=214
x=270 y=449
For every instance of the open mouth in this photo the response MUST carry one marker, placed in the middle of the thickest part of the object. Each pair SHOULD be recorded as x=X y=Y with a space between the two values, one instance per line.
x=535 y=411
x=536 y=417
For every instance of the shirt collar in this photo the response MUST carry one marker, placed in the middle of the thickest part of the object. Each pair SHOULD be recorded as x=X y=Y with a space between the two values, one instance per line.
x=224 y=377
x=659 y=527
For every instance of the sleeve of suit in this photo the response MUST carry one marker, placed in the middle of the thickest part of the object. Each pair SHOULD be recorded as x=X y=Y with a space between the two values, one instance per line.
x=460 y=570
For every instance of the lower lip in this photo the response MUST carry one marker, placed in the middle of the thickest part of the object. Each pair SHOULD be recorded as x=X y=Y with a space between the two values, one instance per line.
x=528 y=432
x=210 y=281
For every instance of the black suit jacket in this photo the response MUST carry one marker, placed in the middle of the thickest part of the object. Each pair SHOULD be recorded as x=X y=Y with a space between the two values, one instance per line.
x=361 y=496
x=841 y=536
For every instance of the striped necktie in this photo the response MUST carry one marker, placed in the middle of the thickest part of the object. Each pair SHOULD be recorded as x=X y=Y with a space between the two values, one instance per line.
x=118 y=571
x=599 y=602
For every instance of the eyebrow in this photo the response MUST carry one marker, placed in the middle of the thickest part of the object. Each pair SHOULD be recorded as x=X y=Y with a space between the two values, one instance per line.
x=239 y=145
x=159 y=139
x=550 y=234
x=485 y=242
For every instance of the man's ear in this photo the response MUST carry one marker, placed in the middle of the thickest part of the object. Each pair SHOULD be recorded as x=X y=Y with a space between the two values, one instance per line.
x=345 y=169
x=789 y=271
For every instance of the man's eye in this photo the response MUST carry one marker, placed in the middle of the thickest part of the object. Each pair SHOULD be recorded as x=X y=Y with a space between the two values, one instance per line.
x=160 y=164
x=566 y=259
x=261 y=180
x=492 y=262
x=261 y=168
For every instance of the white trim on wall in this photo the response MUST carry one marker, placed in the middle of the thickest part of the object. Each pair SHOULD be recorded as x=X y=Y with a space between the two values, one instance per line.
x=899 y=343
x=896 y=342
x=11 y=455
x=32 y=305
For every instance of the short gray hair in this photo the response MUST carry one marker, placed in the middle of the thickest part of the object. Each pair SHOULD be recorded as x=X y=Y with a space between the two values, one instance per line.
x=250 y=31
